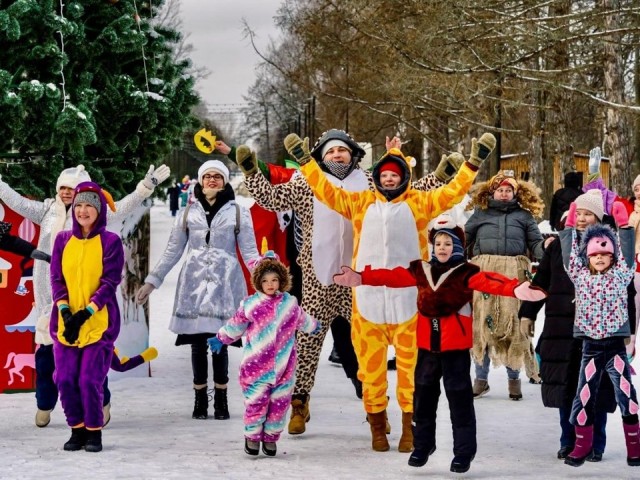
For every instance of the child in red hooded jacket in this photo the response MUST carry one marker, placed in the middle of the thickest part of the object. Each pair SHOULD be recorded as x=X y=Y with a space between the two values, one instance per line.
x=445 y=334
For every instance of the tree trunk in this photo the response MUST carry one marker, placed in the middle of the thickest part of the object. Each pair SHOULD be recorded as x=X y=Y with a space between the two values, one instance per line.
x=617 y=145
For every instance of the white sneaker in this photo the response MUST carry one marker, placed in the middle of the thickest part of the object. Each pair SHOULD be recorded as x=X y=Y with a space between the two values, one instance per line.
x=43 y=417
x=106 y=414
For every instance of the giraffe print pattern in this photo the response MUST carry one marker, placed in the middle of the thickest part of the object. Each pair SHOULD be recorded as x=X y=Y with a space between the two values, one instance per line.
x=387 y=234
x=323 y=302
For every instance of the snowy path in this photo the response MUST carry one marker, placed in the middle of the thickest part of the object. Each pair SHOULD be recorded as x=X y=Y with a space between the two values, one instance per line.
x=152 y=435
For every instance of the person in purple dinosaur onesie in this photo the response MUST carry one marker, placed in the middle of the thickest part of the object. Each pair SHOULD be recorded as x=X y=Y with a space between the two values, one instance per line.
x=86 y=268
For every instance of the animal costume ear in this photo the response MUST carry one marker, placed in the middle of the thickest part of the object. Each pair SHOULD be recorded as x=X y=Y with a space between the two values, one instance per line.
x=109 y=200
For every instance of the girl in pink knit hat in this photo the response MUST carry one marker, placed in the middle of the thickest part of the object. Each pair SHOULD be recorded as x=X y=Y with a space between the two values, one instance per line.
x=600 y=274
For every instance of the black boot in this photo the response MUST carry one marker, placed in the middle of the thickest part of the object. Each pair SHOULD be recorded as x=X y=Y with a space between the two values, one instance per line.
x=334 y=357
x=251 y=447
x=201 y=405
x=94 y=441
x=564 y=451
x=420 y=456
x=77 y=441
x=461 y=464
x=269 y=449
x=358 y=386
x=220 y=404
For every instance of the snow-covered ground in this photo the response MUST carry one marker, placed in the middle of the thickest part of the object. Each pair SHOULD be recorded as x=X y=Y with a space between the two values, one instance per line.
x=152 y=435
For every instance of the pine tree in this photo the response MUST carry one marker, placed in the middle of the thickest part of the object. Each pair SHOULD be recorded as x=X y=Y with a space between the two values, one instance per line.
x=92 y=82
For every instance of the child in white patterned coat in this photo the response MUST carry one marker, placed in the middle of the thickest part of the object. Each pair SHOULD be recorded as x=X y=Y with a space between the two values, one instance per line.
x=269 y=320
x=598 y=270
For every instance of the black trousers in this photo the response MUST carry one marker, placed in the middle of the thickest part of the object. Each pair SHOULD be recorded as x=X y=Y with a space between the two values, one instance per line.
x=341 y=331
x=219 y=362
x=453 y=367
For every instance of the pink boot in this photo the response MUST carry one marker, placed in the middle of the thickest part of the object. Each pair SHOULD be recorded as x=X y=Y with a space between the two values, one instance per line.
x=632 y=439
x=583 y=446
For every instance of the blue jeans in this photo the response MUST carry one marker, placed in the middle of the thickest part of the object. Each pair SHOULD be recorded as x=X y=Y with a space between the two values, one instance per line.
x=482 y=371
x=602 y=356
x=568 y=435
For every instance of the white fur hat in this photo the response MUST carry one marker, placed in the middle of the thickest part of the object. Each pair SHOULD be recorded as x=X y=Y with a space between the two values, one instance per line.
x=636 y=182
x=71 y=177
x=215 y=165
x=592 y=201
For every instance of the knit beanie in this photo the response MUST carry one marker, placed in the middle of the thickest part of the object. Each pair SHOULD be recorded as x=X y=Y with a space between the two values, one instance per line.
x=392 y=167
x=91 y=198
x=592 y=201
x=216 y=166
x=71 y=177
x=636 y=182
x=503 y=179
x=334 y=143
x=445 y=224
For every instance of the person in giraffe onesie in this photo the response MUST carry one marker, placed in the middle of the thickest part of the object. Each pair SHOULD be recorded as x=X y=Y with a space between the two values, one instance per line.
x=390 y=230
x=327 y=242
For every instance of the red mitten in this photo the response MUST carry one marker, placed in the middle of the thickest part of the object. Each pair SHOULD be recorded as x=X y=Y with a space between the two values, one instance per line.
x=620 y=215
x=525 y=291
x=571 y=217
x=348 y=277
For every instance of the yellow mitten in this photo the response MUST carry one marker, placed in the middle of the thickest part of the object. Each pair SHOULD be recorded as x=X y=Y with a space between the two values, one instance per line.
x=149 y=354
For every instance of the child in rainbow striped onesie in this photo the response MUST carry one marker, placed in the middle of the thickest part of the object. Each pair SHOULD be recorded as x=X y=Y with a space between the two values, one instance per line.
x=268 y=319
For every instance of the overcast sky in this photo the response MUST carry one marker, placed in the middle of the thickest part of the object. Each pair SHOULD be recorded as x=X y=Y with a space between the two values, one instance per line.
x=215 y=28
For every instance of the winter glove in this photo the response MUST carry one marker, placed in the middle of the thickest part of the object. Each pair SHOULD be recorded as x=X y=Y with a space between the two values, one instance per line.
x=571 y=217
x=525 y=291
x=155 y=177
x=527 y=327
x=65 y=313
x=149 y=354
x=348 y=277
x=448 y=166
x=620 y=215
x=298 y=148
x=480 y=149
x=72 y=326
x=595 y=156
x=143 y=293
x=215 y=344
x=40 y=255
x=246 y=160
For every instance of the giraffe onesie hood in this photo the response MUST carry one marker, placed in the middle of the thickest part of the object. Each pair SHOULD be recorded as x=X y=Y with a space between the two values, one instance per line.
x=390 y=230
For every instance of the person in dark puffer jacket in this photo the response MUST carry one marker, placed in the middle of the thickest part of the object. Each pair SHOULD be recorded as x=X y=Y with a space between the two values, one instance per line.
x=563 y=197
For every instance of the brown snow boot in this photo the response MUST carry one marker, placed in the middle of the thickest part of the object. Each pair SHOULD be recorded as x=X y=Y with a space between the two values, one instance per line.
x=406 y=439
x=515 y=389
x=480 y=388
x=377 y=422
x=300 y=414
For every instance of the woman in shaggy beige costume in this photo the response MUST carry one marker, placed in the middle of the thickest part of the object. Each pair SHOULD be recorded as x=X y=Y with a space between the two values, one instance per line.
x=502 y=236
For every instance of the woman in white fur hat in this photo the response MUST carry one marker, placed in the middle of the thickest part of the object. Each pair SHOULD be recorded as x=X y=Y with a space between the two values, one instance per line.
x=54 y=215
x=211 y=284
